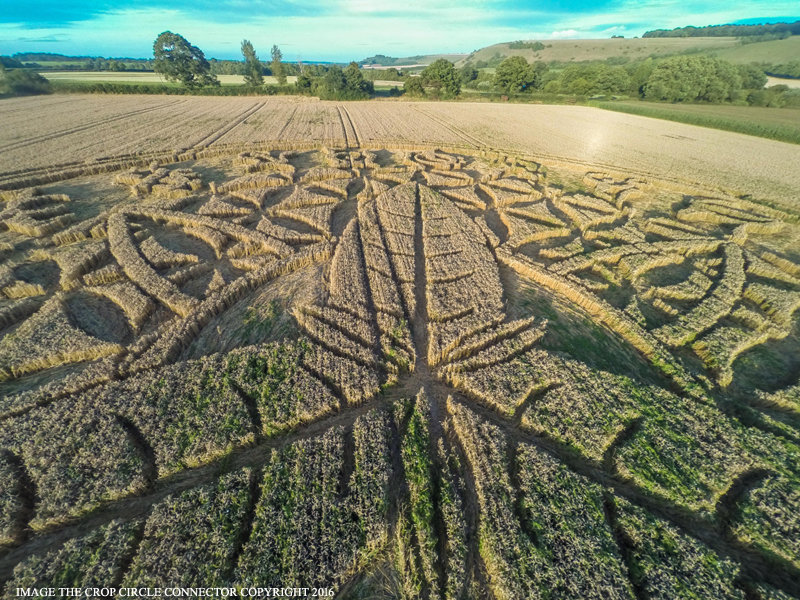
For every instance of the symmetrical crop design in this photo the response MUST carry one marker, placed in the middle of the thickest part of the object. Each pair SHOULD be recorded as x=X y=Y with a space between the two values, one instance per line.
x=394 y=372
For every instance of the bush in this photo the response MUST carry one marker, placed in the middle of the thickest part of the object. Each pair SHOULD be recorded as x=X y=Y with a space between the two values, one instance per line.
x=413 y=87
x=23 y=83
x=773 y=96
x=753 y=78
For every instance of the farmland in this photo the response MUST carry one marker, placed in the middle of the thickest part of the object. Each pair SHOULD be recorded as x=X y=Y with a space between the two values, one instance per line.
x=780 y=124
x=133 y=77
x=727 y=48
x=396 y=349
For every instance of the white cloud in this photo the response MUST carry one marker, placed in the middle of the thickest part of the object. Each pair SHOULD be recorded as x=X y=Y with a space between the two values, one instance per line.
x=354 y=29
x=564 y=33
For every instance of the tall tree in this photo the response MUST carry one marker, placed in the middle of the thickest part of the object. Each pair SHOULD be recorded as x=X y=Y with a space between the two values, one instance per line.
x=514 y=74
x=277 y=65
x=252 y=66
x=442 y=76
x=356 y=85
x=178 y=60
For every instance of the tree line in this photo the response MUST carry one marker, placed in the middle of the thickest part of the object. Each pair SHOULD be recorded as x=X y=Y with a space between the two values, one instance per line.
x=687 y=78
x=728 y=30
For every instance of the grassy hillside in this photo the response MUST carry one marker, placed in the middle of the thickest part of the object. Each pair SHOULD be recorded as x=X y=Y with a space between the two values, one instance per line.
x=386 y=62
x=728 y=48
x=577 y=50
x=774 y=51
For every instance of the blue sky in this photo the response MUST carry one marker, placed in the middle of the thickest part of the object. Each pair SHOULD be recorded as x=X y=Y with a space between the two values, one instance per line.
x=347 y=29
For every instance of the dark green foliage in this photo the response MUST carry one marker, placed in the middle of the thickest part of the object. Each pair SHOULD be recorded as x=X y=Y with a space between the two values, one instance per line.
x=355 y=83
x=253 y=73
x=382 y=74
x=639 y=73
x=753 y=78
x=693 y=79
x=46 y=61
x=22 y=83
x=593 y=79
x=520 y=45
x=442 y=77
x=726 y=30
x=515 y=75
x=227 y=67
x=790 y=69
x=468 y=73
x=304 y=82
x=90 y=87
x=178 y=60
x=335 y=83
x=774 y=96
x=413 y=87
x=277 y=65
x=10 y=63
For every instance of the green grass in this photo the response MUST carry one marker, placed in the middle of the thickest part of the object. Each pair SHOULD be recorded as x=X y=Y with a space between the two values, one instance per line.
x=773 y=52
x=727 y=48
x=601 y=49
x=782 y=124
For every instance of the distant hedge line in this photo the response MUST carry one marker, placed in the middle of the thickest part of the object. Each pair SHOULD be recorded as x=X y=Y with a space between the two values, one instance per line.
x=91 y=87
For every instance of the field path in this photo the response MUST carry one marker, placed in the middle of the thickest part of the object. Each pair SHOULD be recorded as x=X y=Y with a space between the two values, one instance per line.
x=469 y=139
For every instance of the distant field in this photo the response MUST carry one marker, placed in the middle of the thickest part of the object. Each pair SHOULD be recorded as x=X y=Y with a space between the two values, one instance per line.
x=124 y=77
x=387 y=84
x=96 y=126
x=776 y=123
x=792 y=83
x=416 y=61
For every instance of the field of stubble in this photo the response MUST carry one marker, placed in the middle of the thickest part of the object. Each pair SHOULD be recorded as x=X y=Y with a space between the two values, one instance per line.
x=396 y=350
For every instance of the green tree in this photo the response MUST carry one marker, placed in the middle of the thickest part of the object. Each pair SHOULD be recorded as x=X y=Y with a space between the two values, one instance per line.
x=693 y=79
x=333 y=85
x=304 y=82
x=413 y=87
x=514 y=75
x=753 y=78
x=252 y=66
x=178 y=60
x=355 y=84
x=639 y=73
x=277 y=65
x=468 y=73
x=19 y=82
x=442 y=76
x=611 y=80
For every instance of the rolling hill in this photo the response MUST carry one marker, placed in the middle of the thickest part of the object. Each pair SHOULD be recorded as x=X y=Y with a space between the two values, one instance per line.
x=728 y=48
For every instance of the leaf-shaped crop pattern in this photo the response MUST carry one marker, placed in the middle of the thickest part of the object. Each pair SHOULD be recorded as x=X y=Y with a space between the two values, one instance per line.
x=397 y=373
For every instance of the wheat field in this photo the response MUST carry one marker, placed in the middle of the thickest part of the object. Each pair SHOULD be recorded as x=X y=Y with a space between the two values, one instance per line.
x=396 y=350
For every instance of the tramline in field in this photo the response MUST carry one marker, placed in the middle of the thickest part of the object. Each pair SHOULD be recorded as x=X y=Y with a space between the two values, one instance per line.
x=421 y=372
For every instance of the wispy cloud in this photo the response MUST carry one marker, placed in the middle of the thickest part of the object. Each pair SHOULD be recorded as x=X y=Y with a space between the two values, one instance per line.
x=347 y=29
